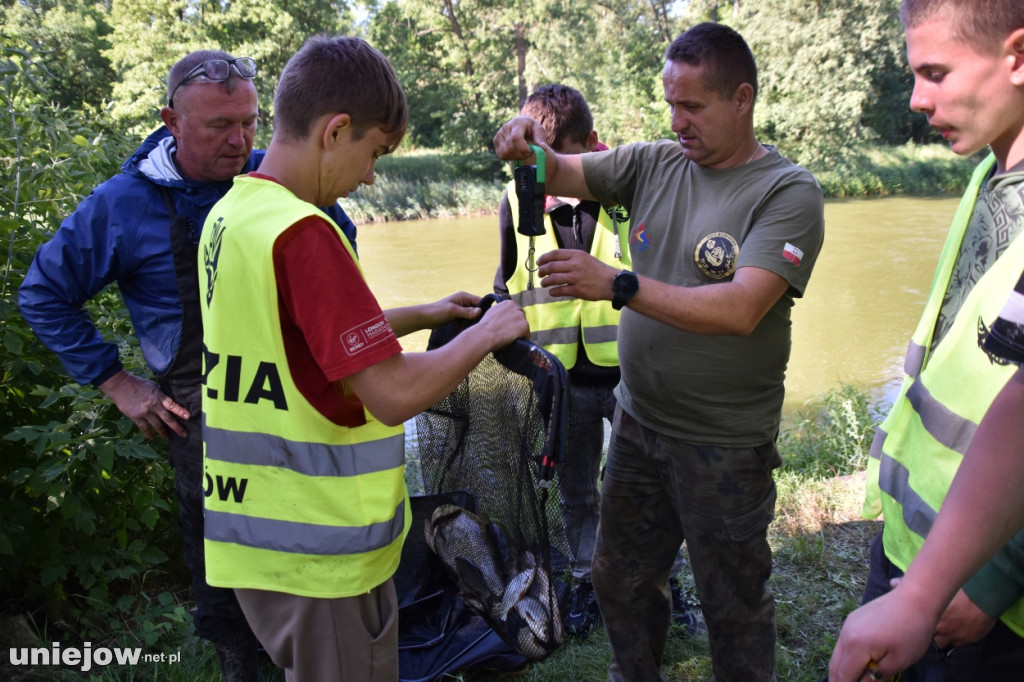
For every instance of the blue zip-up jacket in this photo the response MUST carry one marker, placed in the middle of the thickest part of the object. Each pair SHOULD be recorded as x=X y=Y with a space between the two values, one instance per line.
x=120 y=233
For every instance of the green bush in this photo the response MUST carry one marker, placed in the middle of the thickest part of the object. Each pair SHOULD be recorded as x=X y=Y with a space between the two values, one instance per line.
x=85 y=503
x=832 y=435
x=417 y=164
x=421 y=184
x=882 y=170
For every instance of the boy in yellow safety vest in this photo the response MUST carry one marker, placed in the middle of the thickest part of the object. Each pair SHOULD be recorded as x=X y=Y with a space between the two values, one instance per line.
x=306 y=386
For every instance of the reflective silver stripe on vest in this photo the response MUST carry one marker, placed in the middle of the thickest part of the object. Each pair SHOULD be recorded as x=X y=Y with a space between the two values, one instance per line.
x=302 y=538
x=948 y=428
x=914 y=360
x=944 y=425
x=310 y=459
x=603 y=334
x=550 y=337
x=537 y=296
x=894 y=480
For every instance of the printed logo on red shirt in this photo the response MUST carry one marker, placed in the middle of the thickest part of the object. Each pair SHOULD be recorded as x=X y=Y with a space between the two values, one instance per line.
x=366 y=335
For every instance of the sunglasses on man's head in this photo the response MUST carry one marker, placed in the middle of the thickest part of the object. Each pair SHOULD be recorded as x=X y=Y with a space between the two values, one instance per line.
x=217 y=71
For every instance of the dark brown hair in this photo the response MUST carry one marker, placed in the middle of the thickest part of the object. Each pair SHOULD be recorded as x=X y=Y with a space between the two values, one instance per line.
x=725 y=55
x=562 y=112
x=339 y=74
x=981 y=24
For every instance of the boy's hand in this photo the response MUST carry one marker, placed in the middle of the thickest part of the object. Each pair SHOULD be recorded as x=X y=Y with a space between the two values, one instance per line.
x=408 y=319
x=459 y=305
x=506 y=322
x=884 y=636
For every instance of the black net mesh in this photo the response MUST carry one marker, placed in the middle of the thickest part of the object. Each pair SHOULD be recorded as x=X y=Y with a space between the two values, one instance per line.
x=422 y=576
x=499 y=436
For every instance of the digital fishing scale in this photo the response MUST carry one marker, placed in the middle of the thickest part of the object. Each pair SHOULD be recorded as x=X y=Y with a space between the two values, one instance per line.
x=529 y=184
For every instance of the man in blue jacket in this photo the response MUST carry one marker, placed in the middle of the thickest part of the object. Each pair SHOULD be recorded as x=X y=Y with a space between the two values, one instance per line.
x=140 y=229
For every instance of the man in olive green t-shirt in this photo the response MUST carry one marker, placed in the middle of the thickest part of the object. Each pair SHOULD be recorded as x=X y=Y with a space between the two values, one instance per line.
x=724 y=235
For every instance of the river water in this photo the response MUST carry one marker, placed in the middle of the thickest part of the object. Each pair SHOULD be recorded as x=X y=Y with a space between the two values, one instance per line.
x=852 y=326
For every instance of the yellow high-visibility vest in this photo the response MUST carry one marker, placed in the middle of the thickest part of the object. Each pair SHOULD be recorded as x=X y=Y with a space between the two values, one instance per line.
x=294 y=502
x=945 y=393
x=557 y=323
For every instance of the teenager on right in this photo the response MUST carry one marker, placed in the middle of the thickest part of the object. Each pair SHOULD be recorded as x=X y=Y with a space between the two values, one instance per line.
x=968 y=62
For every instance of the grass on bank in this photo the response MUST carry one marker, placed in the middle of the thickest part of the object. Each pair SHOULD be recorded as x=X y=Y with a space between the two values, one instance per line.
x=819 y=543
x=883 y=171
x=421 y=184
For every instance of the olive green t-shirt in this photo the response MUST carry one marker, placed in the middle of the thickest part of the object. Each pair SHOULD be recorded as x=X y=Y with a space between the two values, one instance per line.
x=694 y=226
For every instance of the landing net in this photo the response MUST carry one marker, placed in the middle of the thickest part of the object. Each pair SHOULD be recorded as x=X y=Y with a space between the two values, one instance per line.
x=499 y=436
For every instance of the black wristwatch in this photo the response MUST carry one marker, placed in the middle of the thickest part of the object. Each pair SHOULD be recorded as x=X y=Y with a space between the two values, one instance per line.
x=624 y=287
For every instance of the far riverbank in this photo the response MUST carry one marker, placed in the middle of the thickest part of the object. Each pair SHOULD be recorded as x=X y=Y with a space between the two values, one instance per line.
x=425 y=184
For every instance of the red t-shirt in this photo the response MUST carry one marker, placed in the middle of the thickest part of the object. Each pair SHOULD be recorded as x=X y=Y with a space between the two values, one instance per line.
x=331 y=322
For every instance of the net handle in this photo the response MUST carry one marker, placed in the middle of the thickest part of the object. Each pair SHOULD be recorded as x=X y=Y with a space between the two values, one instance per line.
x=490 y=299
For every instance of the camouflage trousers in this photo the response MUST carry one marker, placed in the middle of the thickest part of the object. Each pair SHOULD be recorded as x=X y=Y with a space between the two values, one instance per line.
x=657 y=492
x=578 y=473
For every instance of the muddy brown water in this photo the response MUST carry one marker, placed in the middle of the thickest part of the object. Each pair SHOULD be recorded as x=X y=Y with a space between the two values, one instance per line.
x=852 y=326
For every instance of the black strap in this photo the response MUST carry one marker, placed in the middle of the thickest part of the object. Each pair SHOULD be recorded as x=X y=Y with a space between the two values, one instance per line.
x=186 y=368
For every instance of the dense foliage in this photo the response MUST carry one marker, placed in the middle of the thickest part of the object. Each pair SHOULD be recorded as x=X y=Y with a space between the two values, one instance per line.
x=85 y=515
x=833 y=72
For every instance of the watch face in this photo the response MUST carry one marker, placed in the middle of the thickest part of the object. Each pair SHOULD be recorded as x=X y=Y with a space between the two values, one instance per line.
x=625 y=285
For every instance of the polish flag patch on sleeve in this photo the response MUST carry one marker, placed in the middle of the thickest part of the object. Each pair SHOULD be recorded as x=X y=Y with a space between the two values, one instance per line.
x=793 y=254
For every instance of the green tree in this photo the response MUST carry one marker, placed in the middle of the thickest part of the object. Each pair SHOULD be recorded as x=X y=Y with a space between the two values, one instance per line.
x=467 y=82
x=612 y=52
x=85 y=504
x=628 y=96
x=830 y=73
x=429 y=89
x=68 y=40
x=271 y=31
x=488 y=56
x=150 y=35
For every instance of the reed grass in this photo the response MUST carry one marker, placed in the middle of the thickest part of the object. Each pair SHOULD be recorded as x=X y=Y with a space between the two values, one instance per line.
x=422 y=184
x=881 y=171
